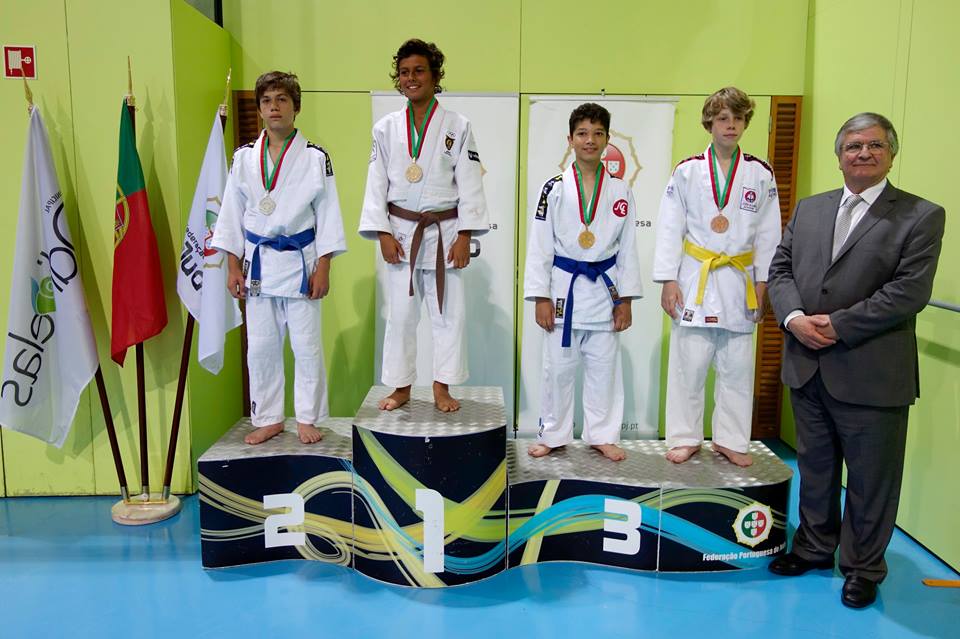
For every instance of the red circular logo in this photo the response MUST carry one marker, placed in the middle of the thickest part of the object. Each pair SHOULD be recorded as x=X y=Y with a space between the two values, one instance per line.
x=620 y=208
x=613 y=159
x=750 y=196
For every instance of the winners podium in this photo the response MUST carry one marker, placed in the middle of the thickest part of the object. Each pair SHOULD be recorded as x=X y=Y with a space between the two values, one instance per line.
x=417 y=497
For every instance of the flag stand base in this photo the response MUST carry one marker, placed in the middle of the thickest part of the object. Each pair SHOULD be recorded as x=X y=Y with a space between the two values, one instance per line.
x=144 y=509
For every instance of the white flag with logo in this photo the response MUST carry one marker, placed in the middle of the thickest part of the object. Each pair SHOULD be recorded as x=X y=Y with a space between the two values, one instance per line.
x=50 y=351
x=202 y=280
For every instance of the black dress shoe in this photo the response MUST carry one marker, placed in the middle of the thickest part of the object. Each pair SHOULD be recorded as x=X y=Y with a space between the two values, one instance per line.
x=858 y=592
x=792 y=565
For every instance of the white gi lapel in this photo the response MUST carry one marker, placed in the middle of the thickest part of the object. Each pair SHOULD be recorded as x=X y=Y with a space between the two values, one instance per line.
x=427 y=156
x=297 y=146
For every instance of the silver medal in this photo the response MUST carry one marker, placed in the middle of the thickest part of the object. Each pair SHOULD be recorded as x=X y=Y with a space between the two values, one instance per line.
x=267 y=205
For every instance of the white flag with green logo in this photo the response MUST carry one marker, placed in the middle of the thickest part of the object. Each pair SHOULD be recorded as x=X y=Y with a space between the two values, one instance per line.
x=50 y=353
x=202 y=279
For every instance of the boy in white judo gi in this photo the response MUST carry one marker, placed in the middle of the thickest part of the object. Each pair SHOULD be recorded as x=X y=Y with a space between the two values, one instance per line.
x=718 y=229
x=582 y=271
x=423 y=202
x=281 y=216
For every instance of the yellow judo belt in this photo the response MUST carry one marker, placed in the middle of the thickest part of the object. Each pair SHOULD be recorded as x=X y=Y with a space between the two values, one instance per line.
x=710 y=261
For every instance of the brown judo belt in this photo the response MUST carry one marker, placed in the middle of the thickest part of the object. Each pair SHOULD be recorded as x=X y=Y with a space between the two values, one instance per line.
x=423 y=220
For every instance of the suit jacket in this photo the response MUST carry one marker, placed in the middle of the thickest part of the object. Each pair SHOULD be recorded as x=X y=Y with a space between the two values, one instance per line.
x=882 y=277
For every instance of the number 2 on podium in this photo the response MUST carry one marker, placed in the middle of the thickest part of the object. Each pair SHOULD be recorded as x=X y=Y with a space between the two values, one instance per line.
x=272 y=537
x=430 y=503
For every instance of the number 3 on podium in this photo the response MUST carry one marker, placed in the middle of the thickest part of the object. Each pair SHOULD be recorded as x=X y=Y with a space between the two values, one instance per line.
x=430 y=503
x=628 y=528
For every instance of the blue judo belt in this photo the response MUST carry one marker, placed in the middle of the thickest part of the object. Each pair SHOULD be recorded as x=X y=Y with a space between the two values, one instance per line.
x=296 y=242
x=592 y=270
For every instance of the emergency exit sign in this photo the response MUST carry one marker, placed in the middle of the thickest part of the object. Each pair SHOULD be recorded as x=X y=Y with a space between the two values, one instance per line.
x=19 y=61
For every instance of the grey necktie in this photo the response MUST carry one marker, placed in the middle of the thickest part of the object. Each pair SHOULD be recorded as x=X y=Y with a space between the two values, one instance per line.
x=844 y=218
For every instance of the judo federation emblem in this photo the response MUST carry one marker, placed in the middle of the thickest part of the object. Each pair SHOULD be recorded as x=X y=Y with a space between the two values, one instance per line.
x=448 y=141
x=753 y=524
x=620 y=208
x=210 y=219
x=559 y=308
x=748 y=200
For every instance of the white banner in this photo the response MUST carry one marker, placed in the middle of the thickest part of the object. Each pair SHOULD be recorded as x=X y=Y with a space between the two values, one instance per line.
x=489 y=280
x=202 y=279
x=641 y=139
x=50 y=351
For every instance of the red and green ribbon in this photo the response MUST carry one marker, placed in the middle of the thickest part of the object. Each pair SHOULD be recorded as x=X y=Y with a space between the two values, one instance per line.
x=722 y=197
x=586 y=216
x=269 y=178
x=414 y=146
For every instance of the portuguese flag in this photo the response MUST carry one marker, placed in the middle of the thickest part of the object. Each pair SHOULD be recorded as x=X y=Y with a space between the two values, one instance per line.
x=139 y=309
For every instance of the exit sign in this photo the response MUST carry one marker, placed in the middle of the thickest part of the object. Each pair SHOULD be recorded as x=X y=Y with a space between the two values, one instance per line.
x=19 y=62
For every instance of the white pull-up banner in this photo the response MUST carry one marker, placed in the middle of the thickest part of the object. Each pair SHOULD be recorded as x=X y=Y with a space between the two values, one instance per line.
x=641 y=139
x=490 y=279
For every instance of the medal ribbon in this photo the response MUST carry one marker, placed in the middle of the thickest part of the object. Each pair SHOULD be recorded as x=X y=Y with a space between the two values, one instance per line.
x=587 y=216
x=722 y=197
x=270 y=179
x=415 y=145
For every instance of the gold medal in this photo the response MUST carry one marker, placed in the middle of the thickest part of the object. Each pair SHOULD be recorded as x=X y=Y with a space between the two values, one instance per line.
x=586 y=238
x=267 y=205
x=414 y=173
x=719 y=224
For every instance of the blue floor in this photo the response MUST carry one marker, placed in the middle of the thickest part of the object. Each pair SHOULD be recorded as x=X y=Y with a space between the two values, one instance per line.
x=67 y=570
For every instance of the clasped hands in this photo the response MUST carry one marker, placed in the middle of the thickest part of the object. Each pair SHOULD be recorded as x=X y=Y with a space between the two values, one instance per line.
x=813 y=331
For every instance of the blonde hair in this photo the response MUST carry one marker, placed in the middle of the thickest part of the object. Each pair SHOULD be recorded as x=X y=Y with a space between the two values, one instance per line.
x=731 y=98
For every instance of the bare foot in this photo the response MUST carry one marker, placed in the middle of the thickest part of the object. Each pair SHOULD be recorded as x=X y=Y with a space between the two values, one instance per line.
x=263 y=433
x=740 y=459
x=539 y=450
x=396 y=399
x=308 y=433
x=441 y=397
x=680 y=454
x=610 y=451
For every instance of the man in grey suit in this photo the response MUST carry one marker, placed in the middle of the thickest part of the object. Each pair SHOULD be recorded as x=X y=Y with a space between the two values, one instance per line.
x=854 y=268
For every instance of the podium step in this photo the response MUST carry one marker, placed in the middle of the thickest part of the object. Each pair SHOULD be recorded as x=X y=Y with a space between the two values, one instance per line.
x=646 y=513
x=418 y=497
x=430 y=488
x=277 y=500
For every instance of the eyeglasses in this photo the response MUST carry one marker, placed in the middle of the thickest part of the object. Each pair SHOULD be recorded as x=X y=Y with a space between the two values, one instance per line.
x=876 y=146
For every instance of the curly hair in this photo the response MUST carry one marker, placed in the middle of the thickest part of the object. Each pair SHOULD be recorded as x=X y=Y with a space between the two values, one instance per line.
x=428 y=50
x=592 y=112
x=278 y=80
x=731 y=98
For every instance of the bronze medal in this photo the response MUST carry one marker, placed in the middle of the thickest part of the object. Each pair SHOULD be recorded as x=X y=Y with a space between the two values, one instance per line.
x=414 y=173
x=719 y=224
x=586 y=239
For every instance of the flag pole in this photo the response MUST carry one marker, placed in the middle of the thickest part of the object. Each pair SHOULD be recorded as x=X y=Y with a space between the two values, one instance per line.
x=185 y=358
x=101 y=386
x=141 y=382
x=141 y=509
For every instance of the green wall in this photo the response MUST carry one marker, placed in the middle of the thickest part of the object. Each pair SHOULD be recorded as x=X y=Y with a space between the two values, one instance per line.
x=902 y=62
x=82 y=68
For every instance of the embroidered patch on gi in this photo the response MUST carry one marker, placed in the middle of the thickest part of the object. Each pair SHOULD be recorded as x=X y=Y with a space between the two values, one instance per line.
x=448 y=141
x=329 y=165
x=373 y=152
x=620 y=208
x=253 y=408
x=711 y=319
x=772 y=193
x=687 y=315
x=473 y=155
x=670 y=189
x=748 y=199
x=542 y=206
x=540 y=432
x=614 y=293
x=246 y=267
x=559 y=308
